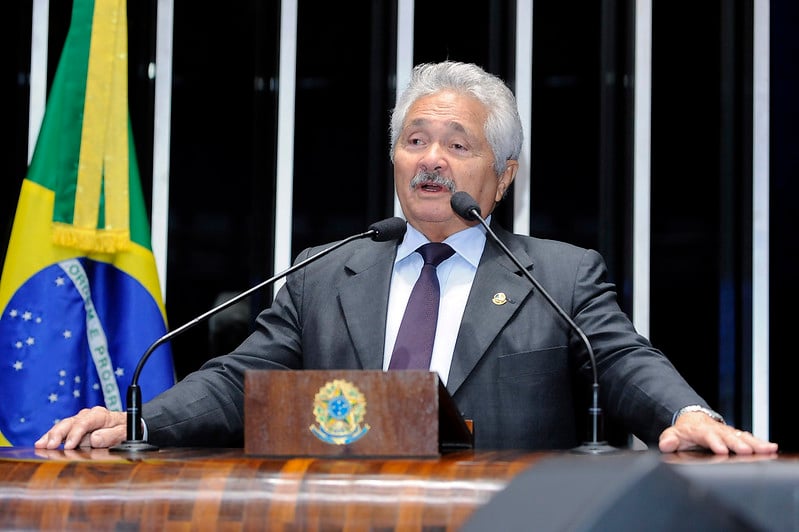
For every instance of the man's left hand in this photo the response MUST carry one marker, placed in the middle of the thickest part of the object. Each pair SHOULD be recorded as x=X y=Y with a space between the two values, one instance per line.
x=696 y=429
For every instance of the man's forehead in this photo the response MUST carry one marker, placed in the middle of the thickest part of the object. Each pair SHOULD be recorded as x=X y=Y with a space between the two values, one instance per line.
x=421 y=122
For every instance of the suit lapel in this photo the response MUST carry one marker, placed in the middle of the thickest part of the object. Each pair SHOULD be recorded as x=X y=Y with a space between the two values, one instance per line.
x=364 y=300
x=364 y=303
x=486 y=315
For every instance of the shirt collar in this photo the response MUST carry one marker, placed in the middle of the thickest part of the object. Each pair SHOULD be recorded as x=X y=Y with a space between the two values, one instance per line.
x=468 y=243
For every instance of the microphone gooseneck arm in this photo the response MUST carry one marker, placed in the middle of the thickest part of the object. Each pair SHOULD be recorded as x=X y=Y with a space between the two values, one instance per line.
x=382 y=231
x=466 y=207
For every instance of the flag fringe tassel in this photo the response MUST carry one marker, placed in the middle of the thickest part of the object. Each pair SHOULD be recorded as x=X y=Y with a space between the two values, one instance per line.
x=96 y=240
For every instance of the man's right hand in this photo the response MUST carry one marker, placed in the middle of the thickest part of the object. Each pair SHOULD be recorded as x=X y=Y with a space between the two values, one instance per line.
x=95 y=427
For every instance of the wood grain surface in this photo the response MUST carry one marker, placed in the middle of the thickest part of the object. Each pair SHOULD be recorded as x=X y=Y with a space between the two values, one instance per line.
x=196 y=489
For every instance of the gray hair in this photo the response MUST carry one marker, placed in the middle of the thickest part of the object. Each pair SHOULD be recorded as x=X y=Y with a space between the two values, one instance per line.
x=503 y=128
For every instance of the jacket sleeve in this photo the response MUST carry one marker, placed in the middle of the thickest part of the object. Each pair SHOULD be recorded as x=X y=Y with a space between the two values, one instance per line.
x=638 y=384
x=206 y=408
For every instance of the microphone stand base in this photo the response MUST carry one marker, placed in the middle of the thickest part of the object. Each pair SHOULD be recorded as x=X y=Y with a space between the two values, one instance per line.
x=133 y=446
x=598 y=447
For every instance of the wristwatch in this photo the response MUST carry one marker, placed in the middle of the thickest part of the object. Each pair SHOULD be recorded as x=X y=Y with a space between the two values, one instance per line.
x=698 y=408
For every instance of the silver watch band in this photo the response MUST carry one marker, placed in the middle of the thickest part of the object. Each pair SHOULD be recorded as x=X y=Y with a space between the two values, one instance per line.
x=698 y=408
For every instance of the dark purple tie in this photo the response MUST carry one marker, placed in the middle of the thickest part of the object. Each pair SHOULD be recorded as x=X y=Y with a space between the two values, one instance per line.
x=414 y=345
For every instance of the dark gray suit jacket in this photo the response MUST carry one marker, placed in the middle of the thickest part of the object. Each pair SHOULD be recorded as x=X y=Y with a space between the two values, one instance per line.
x=516 y=370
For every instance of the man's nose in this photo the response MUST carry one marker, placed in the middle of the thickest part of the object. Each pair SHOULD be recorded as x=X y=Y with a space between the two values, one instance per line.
x=433 y=159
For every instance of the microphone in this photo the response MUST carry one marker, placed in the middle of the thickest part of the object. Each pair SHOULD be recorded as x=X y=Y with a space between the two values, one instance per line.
x=467 y=208
x=382 y=231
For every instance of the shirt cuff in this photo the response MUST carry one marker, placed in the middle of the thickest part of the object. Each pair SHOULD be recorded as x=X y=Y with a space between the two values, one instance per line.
x=698 y=408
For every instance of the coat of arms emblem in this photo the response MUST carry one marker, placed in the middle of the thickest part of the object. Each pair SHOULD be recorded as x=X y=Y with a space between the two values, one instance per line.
x=339 y=408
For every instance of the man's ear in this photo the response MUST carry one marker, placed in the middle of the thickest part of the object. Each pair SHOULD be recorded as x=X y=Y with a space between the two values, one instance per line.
x=505 y=180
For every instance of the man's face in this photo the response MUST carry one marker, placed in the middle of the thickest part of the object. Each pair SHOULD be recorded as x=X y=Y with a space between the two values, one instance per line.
x=443 y=136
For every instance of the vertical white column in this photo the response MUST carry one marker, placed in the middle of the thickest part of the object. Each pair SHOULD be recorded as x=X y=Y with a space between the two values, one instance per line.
x=405 y=10
x=524 y=98
x=162 y=72
x=760 y=220
x=38 y=81
x=641 y=164
x=284 y=188
x=642 y=135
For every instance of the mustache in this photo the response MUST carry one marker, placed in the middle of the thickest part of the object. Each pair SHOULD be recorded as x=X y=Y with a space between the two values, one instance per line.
x=432 y=177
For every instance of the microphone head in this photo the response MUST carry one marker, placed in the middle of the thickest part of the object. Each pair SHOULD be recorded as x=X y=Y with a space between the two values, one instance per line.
x=464 y=205
x=388 y=229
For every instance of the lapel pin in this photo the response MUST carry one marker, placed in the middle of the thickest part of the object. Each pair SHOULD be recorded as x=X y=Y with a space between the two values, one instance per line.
x=499 y=298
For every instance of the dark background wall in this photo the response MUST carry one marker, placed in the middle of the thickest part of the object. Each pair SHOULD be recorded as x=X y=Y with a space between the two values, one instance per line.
x=223 y=152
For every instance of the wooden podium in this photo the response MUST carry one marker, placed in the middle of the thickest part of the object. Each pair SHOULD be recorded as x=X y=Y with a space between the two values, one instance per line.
x=350 y=413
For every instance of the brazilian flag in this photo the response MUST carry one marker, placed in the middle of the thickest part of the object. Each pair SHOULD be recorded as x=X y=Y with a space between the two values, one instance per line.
x=79 y=292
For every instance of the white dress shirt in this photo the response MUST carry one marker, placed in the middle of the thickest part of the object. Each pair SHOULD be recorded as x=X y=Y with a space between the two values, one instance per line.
x=455 y=276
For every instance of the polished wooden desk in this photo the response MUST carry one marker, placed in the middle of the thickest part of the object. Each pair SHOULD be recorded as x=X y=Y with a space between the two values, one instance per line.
x=223 y=489
x=201 y=488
